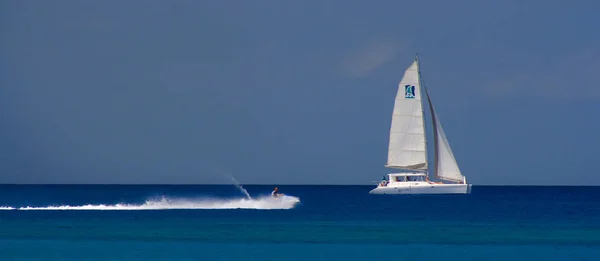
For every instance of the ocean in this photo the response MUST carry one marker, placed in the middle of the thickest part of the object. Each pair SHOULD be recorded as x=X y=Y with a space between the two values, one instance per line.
x=219 y=222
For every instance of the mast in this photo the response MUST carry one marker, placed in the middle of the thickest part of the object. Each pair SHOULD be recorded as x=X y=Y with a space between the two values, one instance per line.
x=422 y=86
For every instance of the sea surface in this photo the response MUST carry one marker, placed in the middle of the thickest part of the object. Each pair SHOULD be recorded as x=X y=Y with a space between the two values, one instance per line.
x=219 y=222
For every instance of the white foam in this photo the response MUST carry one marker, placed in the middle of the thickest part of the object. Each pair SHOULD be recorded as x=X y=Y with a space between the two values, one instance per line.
x=6 y=208
x=285 y=202
x=237 y=184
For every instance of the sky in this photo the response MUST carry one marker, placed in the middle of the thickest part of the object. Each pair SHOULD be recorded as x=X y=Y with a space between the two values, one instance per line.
x=293 y=92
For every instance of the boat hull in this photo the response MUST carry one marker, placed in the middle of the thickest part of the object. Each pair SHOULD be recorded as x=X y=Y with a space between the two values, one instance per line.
x=422 y=188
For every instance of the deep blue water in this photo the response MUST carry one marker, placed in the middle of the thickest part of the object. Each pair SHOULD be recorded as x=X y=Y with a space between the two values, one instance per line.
x=329 y=223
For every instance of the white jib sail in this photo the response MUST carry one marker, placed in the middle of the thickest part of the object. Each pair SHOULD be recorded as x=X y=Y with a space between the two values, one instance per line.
x=446 y=166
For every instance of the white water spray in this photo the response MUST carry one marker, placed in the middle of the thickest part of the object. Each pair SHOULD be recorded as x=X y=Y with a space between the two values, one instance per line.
x=237 y=184
x=165 y=203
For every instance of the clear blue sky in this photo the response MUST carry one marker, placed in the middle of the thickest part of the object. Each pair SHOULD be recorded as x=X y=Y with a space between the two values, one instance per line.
x=296 y=92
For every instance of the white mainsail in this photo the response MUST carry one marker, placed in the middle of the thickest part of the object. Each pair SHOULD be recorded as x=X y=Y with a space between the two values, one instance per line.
x=446 y=167
x=407 y=145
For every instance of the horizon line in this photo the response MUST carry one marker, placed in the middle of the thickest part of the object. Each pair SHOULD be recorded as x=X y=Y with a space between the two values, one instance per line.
x=265 y=184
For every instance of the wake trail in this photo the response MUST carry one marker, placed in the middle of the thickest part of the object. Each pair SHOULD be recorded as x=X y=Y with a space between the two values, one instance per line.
x=164 y=203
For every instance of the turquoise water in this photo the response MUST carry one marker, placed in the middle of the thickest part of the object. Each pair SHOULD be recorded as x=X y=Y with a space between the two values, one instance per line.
x=84 y=222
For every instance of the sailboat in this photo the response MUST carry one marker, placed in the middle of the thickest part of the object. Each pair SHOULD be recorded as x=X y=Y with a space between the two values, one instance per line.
x=407 y=150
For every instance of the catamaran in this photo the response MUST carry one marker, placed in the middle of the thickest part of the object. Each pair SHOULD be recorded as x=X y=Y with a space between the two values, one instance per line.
x=407 y=150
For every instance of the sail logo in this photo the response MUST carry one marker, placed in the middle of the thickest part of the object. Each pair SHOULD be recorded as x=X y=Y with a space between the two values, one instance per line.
x=409 y=91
